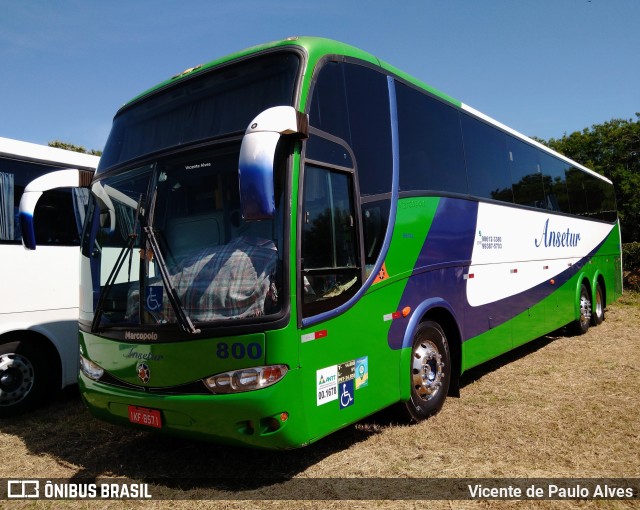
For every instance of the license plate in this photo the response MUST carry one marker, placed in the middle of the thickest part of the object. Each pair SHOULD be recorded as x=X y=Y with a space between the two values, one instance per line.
x=144 y=416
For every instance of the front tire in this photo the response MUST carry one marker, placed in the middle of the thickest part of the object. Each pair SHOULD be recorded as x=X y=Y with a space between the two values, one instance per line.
x=430 y=371
x=25 y=377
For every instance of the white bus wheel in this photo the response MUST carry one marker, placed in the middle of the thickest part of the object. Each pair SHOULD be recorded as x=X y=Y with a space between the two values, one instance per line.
x=24 y=377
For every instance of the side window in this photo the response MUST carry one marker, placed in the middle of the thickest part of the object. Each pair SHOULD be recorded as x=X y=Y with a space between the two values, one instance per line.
x=330 y=272
x=590 y=196
x=351 y=102
x=577 y=195
x=58 y=215
x=555 y=183
x=375 y=217
x=431 y=156
x=487 y=160
x=608 y=209
x=600 y=198
x=526 y=177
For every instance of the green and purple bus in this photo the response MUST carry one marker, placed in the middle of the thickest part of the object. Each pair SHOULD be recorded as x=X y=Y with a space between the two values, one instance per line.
x=289 y=239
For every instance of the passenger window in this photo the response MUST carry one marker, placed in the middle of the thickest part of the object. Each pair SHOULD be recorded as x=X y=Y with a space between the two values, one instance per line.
x=526 y=176
x=57 y=217
x=330 y=268
x=431 y=156
x=577 y=195
x=555 y=183
x=487 y=160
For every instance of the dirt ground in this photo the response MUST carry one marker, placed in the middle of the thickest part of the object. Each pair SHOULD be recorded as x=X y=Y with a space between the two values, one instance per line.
x=559 y=407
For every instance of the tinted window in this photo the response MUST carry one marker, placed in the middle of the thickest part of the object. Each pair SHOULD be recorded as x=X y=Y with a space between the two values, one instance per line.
x=526 y=177
x=211 y=103
x=58 y=215
x=375 y=217
x=600 y=199
x=327 y=151
x=555 y=183
x=487 y=160
x=590 y=196
x=352 y=102
x=576 y=190
x=431 y=156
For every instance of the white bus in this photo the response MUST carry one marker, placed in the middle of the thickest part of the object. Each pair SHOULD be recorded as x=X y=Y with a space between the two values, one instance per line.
x=39 y=289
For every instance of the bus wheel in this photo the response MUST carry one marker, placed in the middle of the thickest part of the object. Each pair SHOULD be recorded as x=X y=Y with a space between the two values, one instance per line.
x=24 y=377
x=598 y=310
x=581 y=326
x=430 y=371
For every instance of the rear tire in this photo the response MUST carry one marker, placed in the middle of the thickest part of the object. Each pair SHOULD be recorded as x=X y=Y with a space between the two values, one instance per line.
x=597 y=316
x=430 y=371
x=581 y=325
x=25 y=377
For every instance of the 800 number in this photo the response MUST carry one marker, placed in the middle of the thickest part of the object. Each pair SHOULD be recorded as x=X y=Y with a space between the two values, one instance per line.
x=239 y=350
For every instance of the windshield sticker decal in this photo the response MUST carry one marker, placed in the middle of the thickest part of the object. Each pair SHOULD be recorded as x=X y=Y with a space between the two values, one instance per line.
x=153 y=298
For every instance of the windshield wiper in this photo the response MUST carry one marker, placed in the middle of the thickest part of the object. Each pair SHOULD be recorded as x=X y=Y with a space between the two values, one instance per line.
x=122 y=256
x=181 y=314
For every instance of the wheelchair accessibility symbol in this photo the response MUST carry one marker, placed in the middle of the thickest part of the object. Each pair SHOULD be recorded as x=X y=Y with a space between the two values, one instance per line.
x=346 y=393
x=153 y=298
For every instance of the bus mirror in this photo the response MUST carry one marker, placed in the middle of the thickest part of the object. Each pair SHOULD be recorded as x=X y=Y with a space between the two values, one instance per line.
x=68 y=178
x=257 y=155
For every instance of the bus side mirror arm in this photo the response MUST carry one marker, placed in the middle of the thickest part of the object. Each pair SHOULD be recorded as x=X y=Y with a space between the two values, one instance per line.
x=68 y=178
x=257 y=158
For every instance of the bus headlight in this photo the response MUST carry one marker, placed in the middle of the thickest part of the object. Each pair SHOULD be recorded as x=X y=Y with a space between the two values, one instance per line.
x=90 y=369
x=247 y=379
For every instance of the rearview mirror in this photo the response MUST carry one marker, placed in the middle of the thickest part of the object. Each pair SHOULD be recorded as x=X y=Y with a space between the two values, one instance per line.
x=256 y=163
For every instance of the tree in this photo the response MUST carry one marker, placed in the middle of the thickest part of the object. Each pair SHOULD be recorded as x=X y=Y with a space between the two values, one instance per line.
x=75 y=148
x=613 y=150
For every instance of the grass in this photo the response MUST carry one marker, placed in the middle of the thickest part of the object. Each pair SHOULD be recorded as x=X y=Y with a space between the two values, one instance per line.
x=558 y=407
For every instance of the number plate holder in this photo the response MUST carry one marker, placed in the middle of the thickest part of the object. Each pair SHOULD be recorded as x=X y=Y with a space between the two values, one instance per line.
x=145 y=416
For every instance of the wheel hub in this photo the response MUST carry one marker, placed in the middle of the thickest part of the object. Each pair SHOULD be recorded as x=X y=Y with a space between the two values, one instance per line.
x=16 y=378
x=585 y=309
x=427 y=370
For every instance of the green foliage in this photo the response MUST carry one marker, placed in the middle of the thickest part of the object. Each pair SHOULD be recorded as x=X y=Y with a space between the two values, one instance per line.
x=631 y=256
x=631 y=266
x=72 y=147
x=613 y=150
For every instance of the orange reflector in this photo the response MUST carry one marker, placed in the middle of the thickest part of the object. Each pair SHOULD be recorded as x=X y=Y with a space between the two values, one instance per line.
x=406 y=311
x=284 y=416
x=552 y=282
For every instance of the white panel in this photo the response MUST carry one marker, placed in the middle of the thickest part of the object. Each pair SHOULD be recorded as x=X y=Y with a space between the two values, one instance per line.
x=517 y=249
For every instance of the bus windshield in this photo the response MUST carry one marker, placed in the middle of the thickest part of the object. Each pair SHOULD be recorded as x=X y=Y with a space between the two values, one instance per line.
x=203 y=106
x=173 y=228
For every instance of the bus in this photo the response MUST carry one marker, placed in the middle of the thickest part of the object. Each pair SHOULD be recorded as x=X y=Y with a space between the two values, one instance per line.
x=40 y=289
x=286 y=240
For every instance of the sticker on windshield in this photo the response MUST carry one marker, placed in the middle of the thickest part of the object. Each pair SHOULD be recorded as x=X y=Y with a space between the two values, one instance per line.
x=153 y=298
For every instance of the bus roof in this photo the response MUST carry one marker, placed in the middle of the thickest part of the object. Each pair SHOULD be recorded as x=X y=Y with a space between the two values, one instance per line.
x=27 y=151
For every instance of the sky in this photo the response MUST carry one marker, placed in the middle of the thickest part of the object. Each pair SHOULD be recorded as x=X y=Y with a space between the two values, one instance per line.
x=542 y=67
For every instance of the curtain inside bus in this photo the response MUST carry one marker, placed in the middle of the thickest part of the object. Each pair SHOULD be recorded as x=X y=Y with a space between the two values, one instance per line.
x=7 y=207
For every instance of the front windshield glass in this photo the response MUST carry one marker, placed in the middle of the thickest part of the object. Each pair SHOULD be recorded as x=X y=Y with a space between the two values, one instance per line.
x=181 y=216
x=208 y=104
